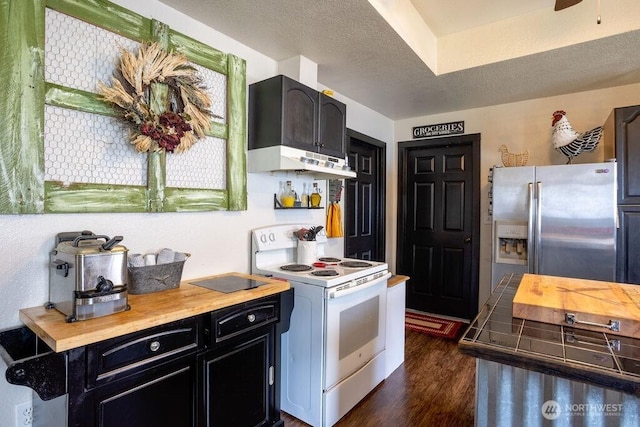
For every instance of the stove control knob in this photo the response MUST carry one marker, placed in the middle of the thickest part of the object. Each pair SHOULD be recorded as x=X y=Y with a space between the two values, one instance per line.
x=272 y=237
x=263 y=238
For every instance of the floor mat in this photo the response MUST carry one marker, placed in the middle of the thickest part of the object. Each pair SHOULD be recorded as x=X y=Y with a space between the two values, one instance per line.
x=431 y=325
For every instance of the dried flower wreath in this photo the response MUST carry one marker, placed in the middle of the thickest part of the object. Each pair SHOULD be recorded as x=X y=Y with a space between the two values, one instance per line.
x=179 y=120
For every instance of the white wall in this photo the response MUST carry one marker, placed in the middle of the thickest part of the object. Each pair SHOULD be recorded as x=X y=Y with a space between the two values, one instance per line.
x=218 y=241
x=520 y=126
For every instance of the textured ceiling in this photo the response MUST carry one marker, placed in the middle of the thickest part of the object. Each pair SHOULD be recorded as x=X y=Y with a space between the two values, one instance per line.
x=360 y=55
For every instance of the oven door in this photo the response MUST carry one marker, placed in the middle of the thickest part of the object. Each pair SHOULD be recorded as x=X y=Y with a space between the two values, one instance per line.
x=355 y=329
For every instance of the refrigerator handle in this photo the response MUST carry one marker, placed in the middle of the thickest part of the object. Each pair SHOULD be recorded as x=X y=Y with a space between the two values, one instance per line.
x=530 y=233
x=538 y=226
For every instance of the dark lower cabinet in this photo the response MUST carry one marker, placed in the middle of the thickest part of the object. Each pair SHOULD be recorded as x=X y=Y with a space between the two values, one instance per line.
x=239 y=366
x=165 y=398
x=240 y=397
x=218 y=369
x=144 y=379
x=628 y=248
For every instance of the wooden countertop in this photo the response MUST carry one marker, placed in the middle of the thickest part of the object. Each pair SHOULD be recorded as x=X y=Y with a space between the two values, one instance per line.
x=396 y=279
x=147 y=310
x=549 y=299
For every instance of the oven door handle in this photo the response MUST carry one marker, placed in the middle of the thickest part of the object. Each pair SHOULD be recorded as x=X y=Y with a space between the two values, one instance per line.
x=334 y=293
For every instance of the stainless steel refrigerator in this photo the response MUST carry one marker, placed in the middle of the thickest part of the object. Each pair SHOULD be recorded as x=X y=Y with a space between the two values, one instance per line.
x=555 y=220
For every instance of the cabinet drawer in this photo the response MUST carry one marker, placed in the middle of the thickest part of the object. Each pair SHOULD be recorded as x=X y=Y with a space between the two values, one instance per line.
x=132 y=353
x=244 y=317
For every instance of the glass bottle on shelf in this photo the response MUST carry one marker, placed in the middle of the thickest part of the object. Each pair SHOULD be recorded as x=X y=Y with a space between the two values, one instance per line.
x=304 y=197
x=289 y=196
x=315 y=196
x=280 y=194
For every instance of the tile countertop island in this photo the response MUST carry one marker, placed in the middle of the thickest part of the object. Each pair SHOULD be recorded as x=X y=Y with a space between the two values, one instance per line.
x=147 y=310
x=524 y=368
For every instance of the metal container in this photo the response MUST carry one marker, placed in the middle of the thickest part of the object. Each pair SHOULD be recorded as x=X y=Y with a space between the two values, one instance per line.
x=88 y=275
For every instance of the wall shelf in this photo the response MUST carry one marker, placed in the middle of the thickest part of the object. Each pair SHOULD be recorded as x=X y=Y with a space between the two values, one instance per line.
x=277 y=205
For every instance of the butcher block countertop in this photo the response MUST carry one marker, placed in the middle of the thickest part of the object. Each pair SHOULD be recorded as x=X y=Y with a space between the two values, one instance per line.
x=589 y=304
x=396 y=279
x=595 y=357
x=147 y=310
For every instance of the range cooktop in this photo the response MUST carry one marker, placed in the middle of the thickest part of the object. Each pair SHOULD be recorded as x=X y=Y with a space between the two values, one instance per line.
x=228 y=284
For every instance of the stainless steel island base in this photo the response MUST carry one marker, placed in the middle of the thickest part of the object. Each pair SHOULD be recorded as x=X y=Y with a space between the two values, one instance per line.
x=510 y=396
x=539 y=374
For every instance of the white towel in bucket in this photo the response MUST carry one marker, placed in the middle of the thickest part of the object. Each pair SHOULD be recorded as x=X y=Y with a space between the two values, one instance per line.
x=166 y=256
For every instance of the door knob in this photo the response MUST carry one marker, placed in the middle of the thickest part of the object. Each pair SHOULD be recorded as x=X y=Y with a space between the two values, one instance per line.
x=467 y=239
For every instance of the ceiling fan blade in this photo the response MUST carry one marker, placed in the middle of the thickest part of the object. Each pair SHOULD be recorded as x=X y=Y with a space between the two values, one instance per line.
x=563 y=4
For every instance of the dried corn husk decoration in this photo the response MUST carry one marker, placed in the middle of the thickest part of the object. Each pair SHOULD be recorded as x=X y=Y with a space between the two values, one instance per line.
x=174 y=127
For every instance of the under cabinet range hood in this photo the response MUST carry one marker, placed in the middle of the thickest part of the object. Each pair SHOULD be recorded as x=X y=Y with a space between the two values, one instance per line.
x=280 y=158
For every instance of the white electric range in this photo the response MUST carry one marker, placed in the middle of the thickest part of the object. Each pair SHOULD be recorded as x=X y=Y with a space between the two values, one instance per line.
x=334 y=352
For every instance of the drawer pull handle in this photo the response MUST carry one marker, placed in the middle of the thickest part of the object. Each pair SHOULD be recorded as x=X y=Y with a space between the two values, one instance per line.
x=613 y=325
x=251 y=318
x=154 y=346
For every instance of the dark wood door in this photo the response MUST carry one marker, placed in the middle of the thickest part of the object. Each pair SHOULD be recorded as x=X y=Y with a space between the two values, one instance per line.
x=364 y=199
x=439 y=224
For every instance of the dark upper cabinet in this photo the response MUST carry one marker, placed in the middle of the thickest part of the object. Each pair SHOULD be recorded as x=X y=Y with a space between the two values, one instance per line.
x=332 y=132
x=283 y=111
x=622 y=142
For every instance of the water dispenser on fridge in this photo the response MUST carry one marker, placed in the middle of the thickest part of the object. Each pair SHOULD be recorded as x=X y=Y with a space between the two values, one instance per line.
x=510 y=242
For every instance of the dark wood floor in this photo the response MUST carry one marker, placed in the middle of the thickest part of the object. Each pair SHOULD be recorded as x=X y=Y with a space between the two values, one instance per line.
x=435 y=386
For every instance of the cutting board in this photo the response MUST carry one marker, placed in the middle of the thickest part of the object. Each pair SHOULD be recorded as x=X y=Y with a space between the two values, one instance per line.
x=551 y=299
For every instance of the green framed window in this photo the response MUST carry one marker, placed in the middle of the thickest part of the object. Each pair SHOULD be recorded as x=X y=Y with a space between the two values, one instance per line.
x=64 y=150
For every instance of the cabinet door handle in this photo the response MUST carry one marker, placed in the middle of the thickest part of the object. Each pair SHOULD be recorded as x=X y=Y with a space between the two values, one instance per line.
x=154 y=346
x=251 y=317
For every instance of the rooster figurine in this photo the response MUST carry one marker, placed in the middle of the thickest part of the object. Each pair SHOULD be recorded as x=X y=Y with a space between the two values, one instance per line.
x=568 y=141
x=513 y=159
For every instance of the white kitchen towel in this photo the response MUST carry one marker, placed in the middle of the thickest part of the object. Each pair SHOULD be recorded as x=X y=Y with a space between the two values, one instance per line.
x=150 y=259
x=166 y=256
x=136 y=260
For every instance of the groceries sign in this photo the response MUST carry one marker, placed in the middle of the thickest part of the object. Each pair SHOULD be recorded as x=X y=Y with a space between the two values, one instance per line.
x=439 y=129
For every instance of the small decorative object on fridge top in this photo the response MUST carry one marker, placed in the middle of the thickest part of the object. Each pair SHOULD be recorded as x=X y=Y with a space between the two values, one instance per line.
x=512 y=159
x=155 y=272
x=570 y=142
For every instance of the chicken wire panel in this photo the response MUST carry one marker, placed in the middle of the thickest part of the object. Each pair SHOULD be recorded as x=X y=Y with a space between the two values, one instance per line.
x=89 y=148
x=203 y=166
x=79 y=55
x=216 y=87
